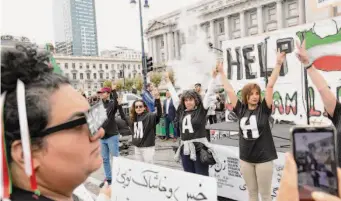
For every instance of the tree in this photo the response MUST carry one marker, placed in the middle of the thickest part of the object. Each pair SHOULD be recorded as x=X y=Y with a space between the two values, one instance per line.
x=129 y=84
x=107 y=83
x=155 y=78
x=138 y=81
x=119 y=85
x=171 y=76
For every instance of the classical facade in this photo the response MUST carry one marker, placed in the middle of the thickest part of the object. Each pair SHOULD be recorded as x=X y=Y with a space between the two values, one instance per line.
x=122 y=53
x=223 y=20
x=89 y=73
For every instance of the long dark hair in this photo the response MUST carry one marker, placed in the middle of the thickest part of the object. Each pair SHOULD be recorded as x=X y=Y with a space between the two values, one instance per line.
x=132 y=110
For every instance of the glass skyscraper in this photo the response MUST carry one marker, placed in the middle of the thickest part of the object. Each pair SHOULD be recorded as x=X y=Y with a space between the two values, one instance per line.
x=75 y=27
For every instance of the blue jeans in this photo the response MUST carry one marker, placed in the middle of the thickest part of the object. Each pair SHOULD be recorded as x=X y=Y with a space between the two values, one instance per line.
x=109 y=146
x=195 y=167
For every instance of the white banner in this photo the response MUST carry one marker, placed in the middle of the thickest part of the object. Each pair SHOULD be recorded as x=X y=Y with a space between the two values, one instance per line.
x=136 y=181
x=229 y=179
x=323 y=3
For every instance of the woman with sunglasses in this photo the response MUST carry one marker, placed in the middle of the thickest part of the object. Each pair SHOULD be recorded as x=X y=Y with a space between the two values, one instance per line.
x=256 y=145
x=191 y=120
x=331 y=104
x=144 y=126
x=63 y=150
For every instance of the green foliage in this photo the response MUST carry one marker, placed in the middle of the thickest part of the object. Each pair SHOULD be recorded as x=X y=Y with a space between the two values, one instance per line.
x=155 y=78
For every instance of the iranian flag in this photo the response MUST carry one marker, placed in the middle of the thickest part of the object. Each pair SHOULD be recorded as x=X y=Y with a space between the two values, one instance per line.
x=323 y=43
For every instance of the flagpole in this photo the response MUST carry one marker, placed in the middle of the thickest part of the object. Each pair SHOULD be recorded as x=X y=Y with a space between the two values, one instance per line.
x=306 y=88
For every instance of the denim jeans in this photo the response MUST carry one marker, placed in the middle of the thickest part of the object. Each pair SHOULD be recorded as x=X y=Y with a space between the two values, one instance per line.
x=109 y=146
x=167 y=125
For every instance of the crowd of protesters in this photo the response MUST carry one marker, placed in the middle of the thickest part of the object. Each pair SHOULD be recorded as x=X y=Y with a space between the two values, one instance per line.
x=61 y=135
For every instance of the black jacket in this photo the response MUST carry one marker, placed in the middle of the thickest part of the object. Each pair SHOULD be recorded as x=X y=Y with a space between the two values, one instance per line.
x=110 y=125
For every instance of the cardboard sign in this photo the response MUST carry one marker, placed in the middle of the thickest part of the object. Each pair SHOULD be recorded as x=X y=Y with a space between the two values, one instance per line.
x=136 y=181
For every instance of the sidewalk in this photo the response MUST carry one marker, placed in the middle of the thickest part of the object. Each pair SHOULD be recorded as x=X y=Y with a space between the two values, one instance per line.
x=164 y=156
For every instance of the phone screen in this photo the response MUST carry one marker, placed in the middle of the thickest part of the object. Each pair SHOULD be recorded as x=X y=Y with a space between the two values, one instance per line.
x=315 y=156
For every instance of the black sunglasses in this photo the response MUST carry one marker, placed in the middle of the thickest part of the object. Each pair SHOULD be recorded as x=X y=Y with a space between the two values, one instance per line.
x=139 y=106
x=94 y=117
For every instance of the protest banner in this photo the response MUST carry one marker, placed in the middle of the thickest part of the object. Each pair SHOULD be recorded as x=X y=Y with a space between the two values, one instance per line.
x=229 y=179
x=136 y=181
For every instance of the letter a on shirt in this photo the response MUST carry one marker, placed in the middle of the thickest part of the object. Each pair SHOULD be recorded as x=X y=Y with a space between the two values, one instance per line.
x=138 y=129
x=251 y=127
x=187 y=124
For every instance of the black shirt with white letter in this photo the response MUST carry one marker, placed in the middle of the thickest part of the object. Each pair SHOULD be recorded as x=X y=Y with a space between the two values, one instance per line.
x=145 y=125
x=336 y=119
x=256 y=144
x=192 y=123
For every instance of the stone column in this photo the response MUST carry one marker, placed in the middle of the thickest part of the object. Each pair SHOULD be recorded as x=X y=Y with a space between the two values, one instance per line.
x=150 y=47
x=227 y=28
x=212 y=33
x=242 y=24
x=260 y=19
x=279 y=12
x=301 y=12
x=170 y=45
x=165 y=48
x=176 y=45
x=155 y=50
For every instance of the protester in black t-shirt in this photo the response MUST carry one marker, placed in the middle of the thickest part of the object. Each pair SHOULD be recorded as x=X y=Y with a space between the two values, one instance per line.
x=144 y=126
x=256 y=146
x=332 y=106
x=191 y=114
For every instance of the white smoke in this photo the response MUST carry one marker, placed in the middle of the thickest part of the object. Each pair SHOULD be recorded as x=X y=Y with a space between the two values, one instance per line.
x=197 y=59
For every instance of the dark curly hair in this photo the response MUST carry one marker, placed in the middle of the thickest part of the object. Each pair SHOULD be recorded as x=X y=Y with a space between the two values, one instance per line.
x=31 y=67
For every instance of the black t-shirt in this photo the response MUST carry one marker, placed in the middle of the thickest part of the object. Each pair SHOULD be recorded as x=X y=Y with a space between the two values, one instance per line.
x=256 y=144
x=23 y=195
x=145 y=126
x=110 y=126
x=336 y=119
x=192 y=123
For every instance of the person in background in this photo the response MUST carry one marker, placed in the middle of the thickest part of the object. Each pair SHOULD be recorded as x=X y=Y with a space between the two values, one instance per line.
x=148 y=98
x=143 y=124
x=331 y=104
x=110 y=142
x=169 y=113
x=256 y=145
x=197 y=88
x=113 y=93
x=212 y=118
x=64 y=153
x=191 y=115
x=220 y=108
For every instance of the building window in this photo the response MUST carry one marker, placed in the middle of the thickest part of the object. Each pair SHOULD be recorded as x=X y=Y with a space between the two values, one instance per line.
x=80 y=65
x=221 y=27
x=221 y=44
x=88 y=76
x=107 y=77
x=106 y=66
x=81 y=76
x=101 y=84
x=129 y=75
x=66 y=65
x=292 y=9
x=73 y=65
x=94 y=66
x=74 y=76
x=253 y=19
x=162 y=43
x=139 y=66
x=95 y=76
x=87 y=66
x=128 y=66
x=101 y=76
x=100 y=66
x=236 y=24
x=112 y=66
x=272 y=14
x=89 y=86
x=163 y=58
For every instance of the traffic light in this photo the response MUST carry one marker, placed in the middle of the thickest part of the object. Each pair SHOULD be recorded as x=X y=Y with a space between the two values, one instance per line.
x=121 y=74
x=149 y=62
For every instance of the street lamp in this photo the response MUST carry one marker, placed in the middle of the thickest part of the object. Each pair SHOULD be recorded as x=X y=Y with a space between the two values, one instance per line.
x=144 y=67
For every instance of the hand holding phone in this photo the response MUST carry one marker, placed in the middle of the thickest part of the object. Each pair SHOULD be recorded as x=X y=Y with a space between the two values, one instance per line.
x=315 y=154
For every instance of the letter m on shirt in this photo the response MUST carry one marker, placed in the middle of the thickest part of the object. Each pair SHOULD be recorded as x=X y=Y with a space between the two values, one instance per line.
x=138 y=129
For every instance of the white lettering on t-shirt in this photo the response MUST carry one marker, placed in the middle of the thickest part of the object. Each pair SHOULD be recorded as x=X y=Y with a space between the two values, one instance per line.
x=138 y=129
x=187 y=124
x=252 y=126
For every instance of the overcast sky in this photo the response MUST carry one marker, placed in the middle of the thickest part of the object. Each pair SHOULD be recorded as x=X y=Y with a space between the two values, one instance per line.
x=117 y=21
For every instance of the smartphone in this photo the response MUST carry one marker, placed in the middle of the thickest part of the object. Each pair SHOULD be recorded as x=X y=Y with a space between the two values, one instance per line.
x=315 y=153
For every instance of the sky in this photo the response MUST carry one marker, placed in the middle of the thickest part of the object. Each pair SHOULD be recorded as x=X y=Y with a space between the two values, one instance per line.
x=117 y=20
